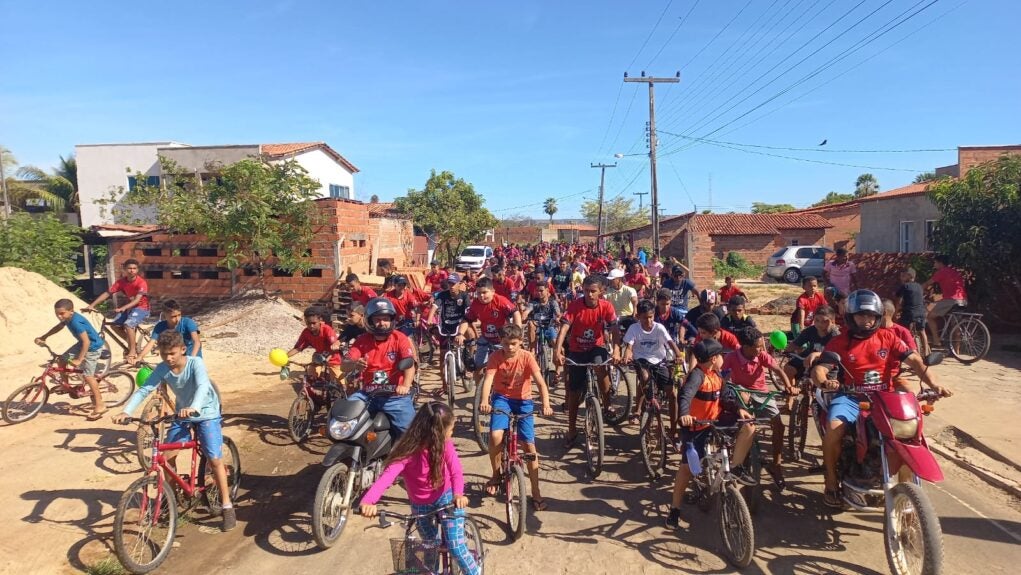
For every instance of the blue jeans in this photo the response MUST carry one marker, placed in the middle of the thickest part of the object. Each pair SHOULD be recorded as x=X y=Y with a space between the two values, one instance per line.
x=453 y=529
x=131 y=318
x=399 y=409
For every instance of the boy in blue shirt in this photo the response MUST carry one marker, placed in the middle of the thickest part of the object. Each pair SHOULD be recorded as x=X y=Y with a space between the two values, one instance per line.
x=173 y=319
x=197 y=407
x=85 y=351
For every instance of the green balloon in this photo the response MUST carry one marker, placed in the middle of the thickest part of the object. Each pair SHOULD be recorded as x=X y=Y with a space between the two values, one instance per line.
x=778 y=339
x=143 y=375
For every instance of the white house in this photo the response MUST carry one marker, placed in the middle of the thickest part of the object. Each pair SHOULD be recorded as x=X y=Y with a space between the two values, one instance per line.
x=105 y=171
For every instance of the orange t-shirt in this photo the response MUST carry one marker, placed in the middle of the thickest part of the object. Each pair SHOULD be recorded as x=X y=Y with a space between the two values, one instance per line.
x=513 y=375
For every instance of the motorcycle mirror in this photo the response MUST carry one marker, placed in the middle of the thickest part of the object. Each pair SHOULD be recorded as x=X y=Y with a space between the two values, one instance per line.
x=405 y=363
x=934 y=358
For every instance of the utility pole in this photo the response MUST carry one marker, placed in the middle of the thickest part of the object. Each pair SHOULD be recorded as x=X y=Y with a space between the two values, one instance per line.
x=641 y=196
x=3 y=184
x=599 y=219
x=653 y=192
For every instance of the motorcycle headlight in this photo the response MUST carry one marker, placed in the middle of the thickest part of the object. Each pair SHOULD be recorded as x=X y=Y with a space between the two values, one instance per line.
x=341 y=429
x=904 y=429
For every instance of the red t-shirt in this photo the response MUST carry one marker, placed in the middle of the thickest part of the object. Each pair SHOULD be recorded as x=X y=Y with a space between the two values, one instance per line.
x=405 y=303
x=636 y=280
x=728 y=292
x=726 y=339
x=905 y=334
x=363 y=295
x=950 y=283
x=749 y=373
x=810 y=304
x=382 y=358
x=512 y=377
x=133 y=288
x=882 y=352
x=588 y=324
x=532 y=289
x=517 y=281
x=598 y=265
x=492 y=316
x=435 y=280
x=320 y=342
x=503 y=288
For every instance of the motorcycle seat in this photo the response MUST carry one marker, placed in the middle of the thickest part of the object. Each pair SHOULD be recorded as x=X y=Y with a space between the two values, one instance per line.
x=381 y=422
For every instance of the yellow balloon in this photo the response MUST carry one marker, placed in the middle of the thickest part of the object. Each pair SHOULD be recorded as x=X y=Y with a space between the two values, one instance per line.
x=278 y=357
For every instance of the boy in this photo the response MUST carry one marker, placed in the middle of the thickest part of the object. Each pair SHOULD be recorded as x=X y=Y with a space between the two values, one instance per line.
x=85 y=351
x=320 y=336
x=131 y=314
x=672 y=318
x=406 y=301
x=360 y=294
x=503 y=286
x=811 y=342
x=197 y=406
x=736 y=320
x=450 y=306
x=492 y=311
x=623 y=297
x=904 y=333
x=700 y=400
x=911 y=303
x=647 y=343
x=509 y=375
x=729 y=291
x=173 y=319
x=680 y=287
x=435 y=278
x=354 y=326
x=562 y=279
x=706 y=305
x=806 y=305
x=709 y=328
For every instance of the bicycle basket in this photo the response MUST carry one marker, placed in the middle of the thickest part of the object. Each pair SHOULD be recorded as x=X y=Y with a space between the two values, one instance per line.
x=415 y=556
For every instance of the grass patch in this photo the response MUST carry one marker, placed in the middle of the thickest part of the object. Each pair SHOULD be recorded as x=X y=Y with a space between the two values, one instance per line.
x=108 y=566
x=737 y=267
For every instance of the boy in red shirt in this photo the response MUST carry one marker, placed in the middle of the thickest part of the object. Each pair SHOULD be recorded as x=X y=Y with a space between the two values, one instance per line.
x=406 y=301
x=492 y=311
x=709 y=328
x=729 y=290
x=806 y=305
x=320 y=336
x=131 y=314
x=509 y=375
x=359 y=293
x=951 y=285
x=435 y=278
x=502 y=285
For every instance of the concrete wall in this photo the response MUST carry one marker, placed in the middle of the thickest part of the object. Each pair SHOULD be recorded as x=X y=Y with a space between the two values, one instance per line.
x=195 y=158
x=881 y=223
x=323 y=168
x=103 y=169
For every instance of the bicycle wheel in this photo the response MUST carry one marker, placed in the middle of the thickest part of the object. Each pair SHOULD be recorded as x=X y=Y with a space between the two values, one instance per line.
x=116 y=387
x=516 y=503
x=753 y=493
x=794 y=422
x=621 y=396
x=144 y=525
x=300 y=418
x=26 y=402
x=476 y=547
x=332 y=506
x=152 y=409
x=231 y=459
x=106 y=359
x=480 y=422
x=424 y=345
x=969 y=340
x=736 y=528
x=594 y=440
x=653 y=441
x=449 y=378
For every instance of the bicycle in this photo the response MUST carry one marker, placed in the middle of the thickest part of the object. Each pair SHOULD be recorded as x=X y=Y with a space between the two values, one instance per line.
x=106 y=329
x=318 y=392
x=513 y=472
x=148 y=506
x=27 y=401
x=414 y=555
x=423 y=339
x=715 y=485
x=652 y=437
x=756 y=458
x=453 y=368
x=543 y=351
x=595 y=441
x=964 y=335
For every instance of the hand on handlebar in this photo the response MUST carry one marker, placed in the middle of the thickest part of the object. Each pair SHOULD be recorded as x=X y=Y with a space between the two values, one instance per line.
x=558 y=357
x=403 y=389
x=687 y=420
x=830 y=385
x=485 y=407
x=547 y=411
x=187 y=412
x=40 y=342
x=369 y=511
x=943 y=391
x=121 y=418
x=460 y=502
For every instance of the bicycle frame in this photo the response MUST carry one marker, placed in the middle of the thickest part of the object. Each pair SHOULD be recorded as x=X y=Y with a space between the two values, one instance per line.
x=160 y=463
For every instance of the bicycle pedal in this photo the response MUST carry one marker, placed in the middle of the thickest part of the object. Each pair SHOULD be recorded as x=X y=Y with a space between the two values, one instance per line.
x=529 y=457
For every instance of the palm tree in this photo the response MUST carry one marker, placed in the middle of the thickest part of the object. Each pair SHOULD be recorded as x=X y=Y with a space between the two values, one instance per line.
x=550 y=207
x=925 y=178
x=58 y=189
x=866 y=185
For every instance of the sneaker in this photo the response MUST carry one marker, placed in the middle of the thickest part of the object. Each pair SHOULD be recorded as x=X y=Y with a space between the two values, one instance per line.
x=229 y=520
x=742 y=476
x=674 y=519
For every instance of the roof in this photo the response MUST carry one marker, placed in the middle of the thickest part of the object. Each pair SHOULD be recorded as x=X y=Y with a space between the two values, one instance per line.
x=383 y=210
x=756 y=224
x=122 y=230
x=909 y=190
x=275 y=151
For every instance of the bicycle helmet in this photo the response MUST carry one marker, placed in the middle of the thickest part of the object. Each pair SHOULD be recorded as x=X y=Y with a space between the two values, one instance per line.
x=863 y=301
x=707 y=296
x=379 y=306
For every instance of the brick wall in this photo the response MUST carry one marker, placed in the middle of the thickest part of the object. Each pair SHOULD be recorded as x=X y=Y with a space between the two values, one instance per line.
x=968 y=158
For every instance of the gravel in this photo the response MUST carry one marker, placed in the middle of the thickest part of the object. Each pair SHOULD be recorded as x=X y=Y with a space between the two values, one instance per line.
x=252 y=324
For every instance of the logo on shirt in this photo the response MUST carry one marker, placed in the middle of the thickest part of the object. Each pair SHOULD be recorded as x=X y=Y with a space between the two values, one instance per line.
x=490 y=330
x=496 y=314
x=392 y=356
x=883 y=353
x=588 y=336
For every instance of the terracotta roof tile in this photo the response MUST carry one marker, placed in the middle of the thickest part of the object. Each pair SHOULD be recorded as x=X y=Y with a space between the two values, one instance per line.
x=384 y=210
x=909 y=190
x=756 y=224
x=285 y=150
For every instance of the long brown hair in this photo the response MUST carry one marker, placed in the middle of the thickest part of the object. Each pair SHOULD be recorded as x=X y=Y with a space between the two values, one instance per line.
x=428 y=431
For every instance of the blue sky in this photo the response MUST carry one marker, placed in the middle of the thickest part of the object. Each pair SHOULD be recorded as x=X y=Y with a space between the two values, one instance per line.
x=520 y=97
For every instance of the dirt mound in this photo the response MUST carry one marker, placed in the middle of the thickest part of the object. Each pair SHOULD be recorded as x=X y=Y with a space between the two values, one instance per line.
x=26 y=311
x=252 y=324
x=779 y=306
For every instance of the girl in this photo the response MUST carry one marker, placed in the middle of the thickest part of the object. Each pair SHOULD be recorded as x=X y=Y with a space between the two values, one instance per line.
x=425 y=457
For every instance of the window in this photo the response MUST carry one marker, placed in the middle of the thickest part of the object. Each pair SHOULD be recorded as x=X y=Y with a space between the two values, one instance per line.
x=149 y=181
x=795 y=242
x=907 y=229
x=313 y=273
x=339 y=192
x=805 y=253
x=153 y=274
x=930 y=234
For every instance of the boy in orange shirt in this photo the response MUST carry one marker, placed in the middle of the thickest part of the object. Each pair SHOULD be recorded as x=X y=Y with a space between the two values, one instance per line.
x=509 y=376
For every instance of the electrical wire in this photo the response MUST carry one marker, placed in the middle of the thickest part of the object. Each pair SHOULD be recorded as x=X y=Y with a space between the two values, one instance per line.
x=711 y=143
x=672 y=34
x=816 y=149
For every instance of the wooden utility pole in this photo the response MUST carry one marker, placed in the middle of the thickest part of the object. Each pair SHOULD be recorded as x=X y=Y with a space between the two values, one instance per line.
x=3 y=184
x=641 y=196
x=653 y=192
x=599 y=219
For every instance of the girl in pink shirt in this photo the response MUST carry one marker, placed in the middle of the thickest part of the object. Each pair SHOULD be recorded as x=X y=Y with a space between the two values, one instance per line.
x=427 y=460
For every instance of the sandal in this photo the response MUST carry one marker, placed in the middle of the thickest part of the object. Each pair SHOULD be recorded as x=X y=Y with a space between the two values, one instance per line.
x=96 y=415
x=539 y=504
x=634 y=419
x=831 y=497
x=492 y=487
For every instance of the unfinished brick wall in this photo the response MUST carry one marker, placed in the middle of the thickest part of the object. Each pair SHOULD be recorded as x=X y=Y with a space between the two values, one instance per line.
x=968 y=158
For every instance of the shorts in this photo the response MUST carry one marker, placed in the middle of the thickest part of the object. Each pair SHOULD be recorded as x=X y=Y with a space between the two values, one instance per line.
x=911 y=322
x=577 y=375
x=499 y=421
x=944 y=306
x=843 y=407
x=761 y=408
x=798 y=363
x=659 y=373
x=131 y=318
x=208 y=431
x=483 y=347
x=88 y=366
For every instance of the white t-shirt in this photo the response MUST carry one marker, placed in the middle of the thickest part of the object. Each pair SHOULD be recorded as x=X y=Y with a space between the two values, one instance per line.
x=648 y=345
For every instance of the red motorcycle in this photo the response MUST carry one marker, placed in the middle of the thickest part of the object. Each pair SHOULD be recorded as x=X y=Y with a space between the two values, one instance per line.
x=882 y=461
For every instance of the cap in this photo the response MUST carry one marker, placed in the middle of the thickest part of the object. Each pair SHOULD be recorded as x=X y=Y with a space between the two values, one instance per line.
x=706 y=349
x=616 y=273
x=454 y=278
x=677 y=270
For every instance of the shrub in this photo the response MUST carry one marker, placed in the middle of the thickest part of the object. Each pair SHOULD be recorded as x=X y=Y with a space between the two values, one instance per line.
x=43 y=245
x=735 y=265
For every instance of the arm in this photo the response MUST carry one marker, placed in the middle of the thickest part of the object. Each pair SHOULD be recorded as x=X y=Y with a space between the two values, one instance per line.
x=487 y=389
x=143 y=392
x=41 y=340
x=204 y=392
x=914 y=361
x=196 y=342
x=688 y=391
x=152 y=343
x=787 y=385
x=456 y=474
x=134 y=301
x=558 y=349
x=380 y=486
x=102 y=297
x=517 y=317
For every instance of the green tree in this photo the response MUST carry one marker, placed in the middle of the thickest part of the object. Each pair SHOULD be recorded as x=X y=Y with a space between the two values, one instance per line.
x=44 y=245
x=449 y=209
x=550 y=207
x=925 y=178
x=619 y=214
x=866 y=185
x=58 y=189
x=978 y=225
x=833 y=198
x=259 y=213
x=762 y=208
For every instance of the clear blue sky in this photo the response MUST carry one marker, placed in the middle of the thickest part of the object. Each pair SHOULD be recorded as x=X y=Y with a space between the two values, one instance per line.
x=518 y=97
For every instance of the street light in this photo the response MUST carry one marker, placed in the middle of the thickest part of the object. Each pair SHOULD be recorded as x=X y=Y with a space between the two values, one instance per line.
x=628 y=155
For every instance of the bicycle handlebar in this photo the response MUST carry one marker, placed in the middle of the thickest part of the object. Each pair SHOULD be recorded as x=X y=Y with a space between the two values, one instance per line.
x=608 y=362
x=514 y=415
x=403 y=518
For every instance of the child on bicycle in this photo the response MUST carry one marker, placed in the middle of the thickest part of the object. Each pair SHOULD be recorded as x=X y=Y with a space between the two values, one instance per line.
x=173 y=319
x=197 y=405
x=85 y=351
x=492 y=311
x=320 y=336
x=131 y=314
x=701 y=400
x=426 y=459
x=509 y=375
x=647 y=343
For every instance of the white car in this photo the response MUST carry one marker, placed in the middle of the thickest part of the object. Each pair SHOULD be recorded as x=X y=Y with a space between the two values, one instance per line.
x=473 y=258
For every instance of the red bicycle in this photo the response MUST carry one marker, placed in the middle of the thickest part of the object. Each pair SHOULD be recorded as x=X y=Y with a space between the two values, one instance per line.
x=146 y=518
x=512 y=473
x=318 y=392
x=28 y=400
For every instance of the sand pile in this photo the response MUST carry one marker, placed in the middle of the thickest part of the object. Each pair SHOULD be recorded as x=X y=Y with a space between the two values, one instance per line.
x=26 y=311
x=251 y=324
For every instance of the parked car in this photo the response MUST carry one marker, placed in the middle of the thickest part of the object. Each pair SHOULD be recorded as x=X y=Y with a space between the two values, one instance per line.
x=795 y=262
x=473 y=258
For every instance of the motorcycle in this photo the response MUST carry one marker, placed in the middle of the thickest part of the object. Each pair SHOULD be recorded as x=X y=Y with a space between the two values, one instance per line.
x=354 y=462
x=882 y=461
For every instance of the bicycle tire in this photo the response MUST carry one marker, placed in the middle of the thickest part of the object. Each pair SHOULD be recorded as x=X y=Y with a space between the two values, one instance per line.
x=594 y=436
x=973 y=331
x=794 y=421
x=480 y=422
x=652 y=439
x=516 y=503
x=118 y=385
x=123 y=522
x=753 y=493
x=424 y=345
x=300 y=417
x=621 y=396
x=475 y=544
x=326 y=530
x=33 y=396
x=736 y=532
x=449 y=378
x=232 y=462
x=152 y=409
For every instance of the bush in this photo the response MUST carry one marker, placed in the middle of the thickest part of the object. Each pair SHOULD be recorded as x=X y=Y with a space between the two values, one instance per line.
x=735 y=265
x=43 y=245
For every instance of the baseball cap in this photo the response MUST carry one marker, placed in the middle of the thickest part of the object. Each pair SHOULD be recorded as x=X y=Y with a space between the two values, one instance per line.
x=454 y=278
x=706 y=349
x=616 y=273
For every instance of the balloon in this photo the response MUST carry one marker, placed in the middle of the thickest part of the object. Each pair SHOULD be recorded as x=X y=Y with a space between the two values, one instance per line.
x=143 y=375
x=779 y=340
x=278 y=357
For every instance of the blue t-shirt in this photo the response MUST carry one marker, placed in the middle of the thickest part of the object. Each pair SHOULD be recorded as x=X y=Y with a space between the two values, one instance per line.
x=679 y=291
x=674 y=322
x=77 y=325
x=642 y=258
x=185 y=327
x=191 y=387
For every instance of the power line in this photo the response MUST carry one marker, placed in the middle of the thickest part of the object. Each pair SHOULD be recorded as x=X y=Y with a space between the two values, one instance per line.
x=711 y=143
x=722 y=30
x=672 y=34
x=613 y=114
x=651 y=32
x=544 y=201
x=816 y=149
